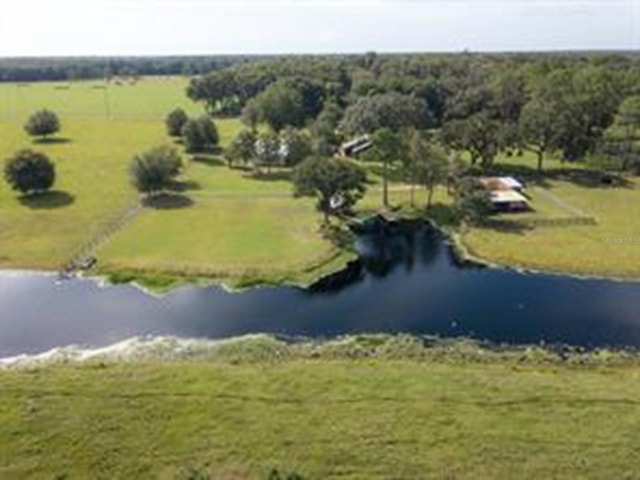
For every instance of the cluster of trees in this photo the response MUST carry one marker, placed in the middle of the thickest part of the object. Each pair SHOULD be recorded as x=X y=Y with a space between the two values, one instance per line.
x=427 y=163
x=314 y=78
x=286 y=148
x=197 y=134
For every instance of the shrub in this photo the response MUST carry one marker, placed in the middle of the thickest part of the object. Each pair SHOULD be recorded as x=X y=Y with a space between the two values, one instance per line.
x=42 y=123
x=30 y=172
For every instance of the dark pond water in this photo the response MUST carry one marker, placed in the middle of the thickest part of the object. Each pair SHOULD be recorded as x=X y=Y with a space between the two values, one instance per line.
x=405 y=282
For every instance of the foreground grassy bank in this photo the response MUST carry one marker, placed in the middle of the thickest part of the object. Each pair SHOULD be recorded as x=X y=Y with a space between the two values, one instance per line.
x=369 y=408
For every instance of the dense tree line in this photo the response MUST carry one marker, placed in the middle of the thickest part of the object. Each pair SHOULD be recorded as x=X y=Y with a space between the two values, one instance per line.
x=33 y=69
x=480 y=104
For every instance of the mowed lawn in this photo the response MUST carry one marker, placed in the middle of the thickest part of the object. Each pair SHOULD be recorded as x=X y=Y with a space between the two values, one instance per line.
x=233 y=224
x=236 y=239
x=347 y=419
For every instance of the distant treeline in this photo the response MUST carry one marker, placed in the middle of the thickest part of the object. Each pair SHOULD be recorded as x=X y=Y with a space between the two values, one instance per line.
x=35 y=69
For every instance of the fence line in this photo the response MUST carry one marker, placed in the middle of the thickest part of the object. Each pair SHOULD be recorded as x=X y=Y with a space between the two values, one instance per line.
x=83 y=254
x=560 y=222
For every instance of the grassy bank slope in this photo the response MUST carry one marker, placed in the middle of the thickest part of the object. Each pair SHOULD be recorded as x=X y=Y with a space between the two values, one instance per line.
x=322 y=418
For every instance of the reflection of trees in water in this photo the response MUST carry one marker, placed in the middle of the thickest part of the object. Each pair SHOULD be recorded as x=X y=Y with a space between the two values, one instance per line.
x=430 y=246
x=336 y=282
x=382 y=253
x=388 y=251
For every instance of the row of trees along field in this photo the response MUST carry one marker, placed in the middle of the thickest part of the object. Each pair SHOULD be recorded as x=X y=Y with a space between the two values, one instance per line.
x=573 y=106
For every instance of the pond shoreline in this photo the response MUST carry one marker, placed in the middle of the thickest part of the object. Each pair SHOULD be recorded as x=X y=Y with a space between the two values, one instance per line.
x=267 y=348
x=339 y=262
x=408 y=280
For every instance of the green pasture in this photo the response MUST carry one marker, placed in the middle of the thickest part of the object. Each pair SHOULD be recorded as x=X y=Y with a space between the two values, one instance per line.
x=147 y=99
x=322 y=418
x=579 y=249
x=233 y=225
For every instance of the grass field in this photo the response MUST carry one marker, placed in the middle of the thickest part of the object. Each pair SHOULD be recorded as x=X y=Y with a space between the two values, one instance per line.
x=323 y=416
x=230 y=224
x=579 y=249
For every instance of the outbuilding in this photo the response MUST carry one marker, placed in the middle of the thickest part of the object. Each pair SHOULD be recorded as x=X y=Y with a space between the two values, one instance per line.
x=509 y=201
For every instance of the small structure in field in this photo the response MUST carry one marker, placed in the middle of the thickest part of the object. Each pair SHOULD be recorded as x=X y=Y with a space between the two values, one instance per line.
x=355 y=147
x=507 y=194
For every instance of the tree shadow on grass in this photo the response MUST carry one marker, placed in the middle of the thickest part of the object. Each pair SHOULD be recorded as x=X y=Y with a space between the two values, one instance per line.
x=209 y=160
x=179 y=186
x=52 y=141
x=47 y=200
x=272 y=176
x=167 y=201
x=506 y=226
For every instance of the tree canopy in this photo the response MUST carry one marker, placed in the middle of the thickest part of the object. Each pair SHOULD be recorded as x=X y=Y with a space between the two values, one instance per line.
x=42 y=124
x=175 y=121
x=337 y=184
x=200 y=134
x=29 y=172
x=154 y=170
x=388 y=110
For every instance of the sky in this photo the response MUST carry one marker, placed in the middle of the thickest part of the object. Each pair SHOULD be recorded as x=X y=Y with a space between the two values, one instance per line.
x=167 y=27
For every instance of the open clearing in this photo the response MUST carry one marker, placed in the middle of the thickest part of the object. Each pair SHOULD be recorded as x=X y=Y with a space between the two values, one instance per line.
x=322 y=419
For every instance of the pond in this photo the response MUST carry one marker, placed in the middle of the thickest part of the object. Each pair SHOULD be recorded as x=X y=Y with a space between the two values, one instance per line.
x=406 y=281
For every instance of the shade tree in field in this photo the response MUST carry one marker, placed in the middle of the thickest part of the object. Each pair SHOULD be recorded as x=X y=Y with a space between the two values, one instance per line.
x=538 y=127
x=268 y=151
x=29 y=172
x=42 y=124
x=154 y=171
x=200 y=134
x=337 y=184
x=295 y=146
x=472 y=200
x=251 y=115
x=478 y=135
x=175 y=121
x=427 y=163
x=388 y=148
x=243 y=148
